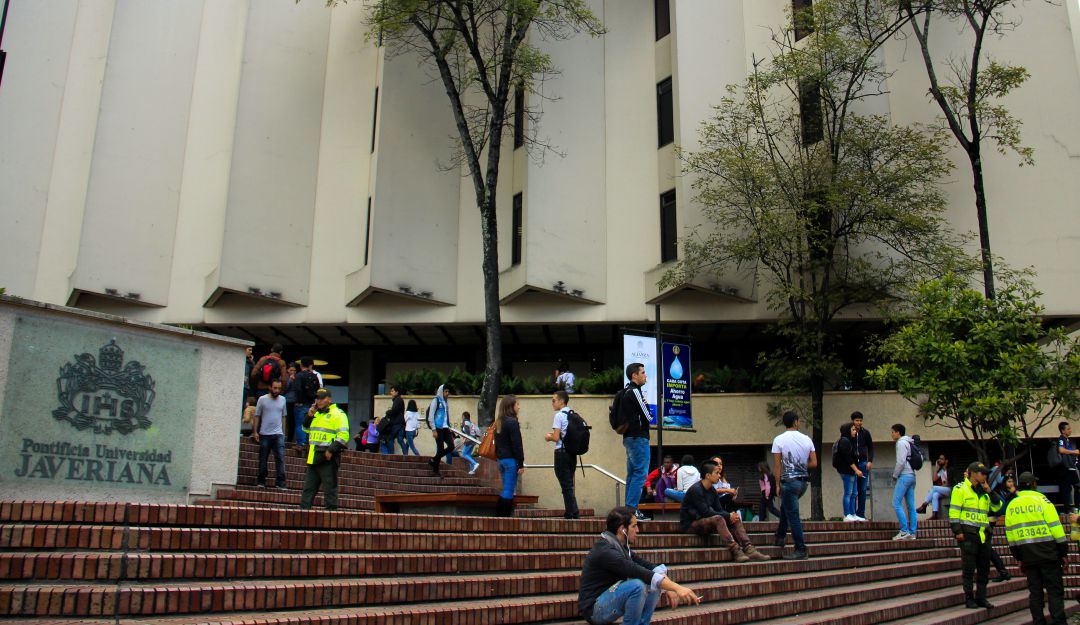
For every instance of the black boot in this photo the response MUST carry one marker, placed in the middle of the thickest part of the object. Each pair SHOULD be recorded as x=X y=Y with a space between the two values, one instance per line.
x=505 y=507
x=969 y=601
x=980 y=600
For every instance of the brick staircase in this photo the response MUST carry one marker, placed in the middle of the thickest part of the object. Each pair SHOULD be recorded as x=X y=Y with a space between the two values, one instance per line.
x=253 y=558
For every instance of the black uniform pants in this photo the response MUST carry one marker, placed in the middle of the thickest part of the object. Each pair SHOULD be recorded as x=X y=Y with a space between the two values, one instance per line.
x=1046 y=576
x=323 y=474
x=444 y=445
x=564 y=472
x=975 y=556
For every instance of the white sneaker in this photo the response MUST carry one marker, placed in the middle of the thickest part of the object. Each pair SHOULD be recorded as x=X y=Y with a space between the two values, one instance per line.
x=901 y=536
x=473 y=470
x=850 y=518
x=858 y=518
x=908 y=537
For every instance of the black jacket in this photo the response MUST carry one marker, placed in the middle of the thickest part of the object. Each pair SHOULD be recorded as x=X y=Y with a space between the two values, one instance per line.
x=396 y=414
x=508 y=441
x=633 y=408
x=608 y=562
x=700 y=502
x=864 y=445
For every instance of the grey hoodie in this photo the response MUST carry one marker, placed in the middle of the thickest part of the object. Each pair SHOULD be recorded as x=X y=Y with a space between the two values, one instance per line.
x=903 y=452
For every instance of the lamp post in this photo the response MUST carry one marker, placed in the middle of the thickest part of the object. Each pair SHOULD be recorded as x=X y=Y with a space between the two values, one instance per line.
x=3 y=55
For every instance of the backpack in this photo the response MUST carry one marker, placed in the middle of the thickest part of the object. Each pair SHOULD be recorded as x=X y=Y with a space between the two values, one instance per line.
x=915 y=459
x=838 y=458
x=576 y=440
x=269 y=371
x=1053 y=456
x=309 y=385
x=618 y=420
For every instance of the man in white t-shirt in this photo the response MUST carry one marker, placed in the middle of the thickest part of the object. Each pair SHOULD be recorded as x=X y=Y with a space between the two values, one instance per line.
x=269 y=414
x=793 y=457
x=564 y=379
x=564 y=461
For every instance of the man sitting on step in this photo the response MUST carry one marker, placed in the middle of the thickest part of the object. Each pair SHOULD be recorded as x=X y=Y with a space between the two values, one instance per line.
x=702 y=514
x=616 y=583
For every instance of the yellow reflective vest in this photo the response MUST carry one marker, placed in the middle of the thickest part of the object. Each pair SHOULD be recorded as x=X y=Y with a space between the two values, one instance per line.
x=327 y=427
x=969 y=510
x=1034 y=530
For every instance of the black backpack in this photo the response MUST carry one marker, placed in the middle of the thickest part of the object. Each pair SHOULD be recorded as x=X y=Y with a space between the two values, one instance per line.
x=576 y=439
x=618 y=420
x=1053 y=455
x=309 y=385
x=837 y=458
x=915 y=459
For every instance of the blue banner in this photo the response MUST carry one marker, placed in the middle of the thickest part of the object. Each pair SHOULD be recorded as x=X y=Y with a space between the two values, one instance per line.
x=676 y=370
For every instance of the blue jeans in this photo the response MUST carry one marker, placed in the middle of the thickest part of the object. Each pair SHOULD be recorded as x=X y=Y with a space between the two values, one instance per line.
x=396 y=433
x=790 y=492
x=860 y=488
x=851 y=499
x=299 y=414
x=903 y=496
x=466 y=453
x=410 y=437
x=637 y=468
x=632 y=599
x=275 y=443
x=508 y=468
x=674 y=495
x=936 y=493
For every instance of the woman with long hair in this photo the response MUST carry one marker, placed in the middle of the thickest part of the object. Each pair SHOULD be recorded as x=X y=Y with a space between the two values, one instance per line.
x=941 y=488
x=509 y=451
x=412 y=426
x=767 y=483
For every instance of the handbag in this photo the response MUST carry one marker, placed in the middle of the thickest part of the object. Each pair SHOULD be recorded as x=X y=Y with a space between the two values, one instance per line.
x=487 y=445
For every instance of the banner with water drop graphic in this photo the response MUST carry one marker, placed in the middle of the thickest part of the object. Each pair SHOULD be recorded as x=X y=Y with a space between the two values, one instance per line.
x=676 y=368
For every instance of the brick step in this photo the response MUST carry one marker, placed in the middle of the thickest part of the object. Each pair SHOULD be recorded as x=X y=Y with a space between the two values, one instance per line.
x=366 y=488
x=250 y=450
x=98 y=565
x=427 y=483
x=260 y=595
x=524 y=512
x=296 y=463
x=292 y=498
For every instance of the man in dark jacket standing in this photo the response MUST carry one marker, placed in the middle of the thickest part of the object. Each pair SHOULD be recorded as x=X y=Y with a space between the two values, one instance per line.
x=634 y=413
x=864 y=452
x=1038 y=541
x=395 y=418
x=616 y=583
x=702 y=514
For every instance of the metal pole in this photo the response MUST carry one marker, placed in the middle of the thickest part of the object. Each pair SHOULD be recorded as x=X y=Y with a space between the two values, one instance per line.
x=3 y=23
x=659 y=392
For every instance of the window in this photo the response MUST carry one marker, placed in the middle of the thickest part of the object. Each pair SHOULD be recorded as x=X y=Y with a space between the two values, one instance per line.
x=374 y=119
x=803 y=15
x=665 y=112
x=367 y=233
x=519 y=118
x=668 y=244
x=810 y=111
x=662 y=13
x=515 y=234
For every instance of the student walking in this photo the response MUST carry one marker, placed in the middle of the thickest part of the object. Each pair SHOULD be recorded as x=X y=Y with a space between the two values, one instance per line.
x=412 y=425
x=903 y=499
x=793 y=457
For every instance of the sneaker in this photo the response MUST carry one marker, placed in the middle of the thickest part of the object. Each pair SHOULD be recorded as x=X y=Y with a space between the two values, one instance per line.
x=796 y=555
x=262 y=486
x=640 y=517
x=901 y=536
x=850 y=518
x=908 y=536
x=281 y=487
x=1003 y=577
x=858 y=518
x=473 y=470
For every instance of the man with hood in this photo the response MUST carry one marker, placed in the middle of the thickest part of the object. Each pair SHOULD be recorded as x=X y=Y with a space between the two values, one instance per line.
x=903 y=499
x=617 y=583
x=438 y=419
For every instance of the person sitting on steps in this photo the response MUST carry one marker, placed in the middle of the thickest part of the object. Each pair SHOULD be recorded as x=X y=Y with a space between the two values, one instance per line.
x=701 y=513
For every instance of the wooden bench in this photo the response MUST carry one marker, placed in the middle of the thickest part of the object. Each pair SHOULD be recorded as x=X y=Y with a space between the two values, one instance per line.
x=454 y=504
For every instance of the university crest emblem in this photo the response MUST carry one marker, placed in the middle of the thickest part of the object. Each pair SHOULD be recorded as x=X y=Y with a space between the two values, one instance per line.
x=105 y=395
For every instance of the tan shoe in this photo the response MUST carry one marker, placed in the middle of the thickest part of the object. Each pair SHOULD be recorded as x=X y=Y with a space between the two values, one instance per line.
x=751 y=551
x=737 y=553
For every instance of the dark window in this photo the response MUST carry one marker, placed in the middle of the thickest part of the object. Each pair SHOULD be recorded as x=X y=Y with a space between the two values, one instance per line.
x=810 y=111
x=374 y=119
x=668 y=244
x=665 y=112
x=367 y=232
x=519 y=118
x=515 y=235
x=803 y=15
x=662 y=11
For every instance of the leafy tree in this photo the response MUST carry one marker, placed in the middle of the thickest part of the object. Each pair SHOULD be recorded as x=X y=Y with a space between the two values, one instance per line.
x=988 y=368
x=835 y=208
x=482 y=53
x=968 y=89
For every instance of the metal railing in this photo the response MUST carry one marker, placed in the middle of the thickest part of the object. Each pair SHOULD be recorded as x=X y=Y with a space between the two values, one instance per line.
x=619 y=482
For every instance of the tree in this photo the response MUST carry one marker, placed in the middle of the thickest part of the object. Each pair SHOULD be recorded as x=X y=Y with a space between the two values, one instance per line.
x=969 y=91
x=988 y=368
x=481 y=51
x=835 y=208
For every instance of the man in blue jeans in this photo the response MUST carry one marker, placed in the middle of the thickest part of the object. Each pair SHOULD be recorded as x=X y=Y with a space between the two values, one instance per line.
x=634 y=413
x=267 y=432
x=793 y=457
x=903 y=499
x=616 y=583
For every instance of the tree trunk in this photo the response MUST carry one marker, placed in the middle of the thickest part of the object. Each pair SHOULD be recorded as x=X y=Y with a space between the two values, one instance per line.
x=489 y=394
x=984 y=224
x=817 y=403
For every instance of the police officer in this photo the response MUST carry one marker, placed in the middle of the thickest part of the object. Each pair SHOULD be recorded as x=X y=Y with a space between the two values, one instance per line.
x=327 y=428
x=1038 y=541
x=969 y=509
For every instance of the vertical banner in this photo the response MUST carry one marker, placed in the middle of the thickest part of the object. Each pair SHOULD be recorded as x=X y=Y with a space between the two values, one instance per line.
x=638 y=348
x=676 y=371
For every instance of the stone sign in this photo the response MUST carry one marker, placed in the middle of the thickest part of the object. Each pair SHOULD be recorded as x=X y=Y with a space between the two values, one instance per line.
x=87 y=405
